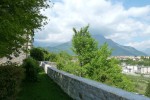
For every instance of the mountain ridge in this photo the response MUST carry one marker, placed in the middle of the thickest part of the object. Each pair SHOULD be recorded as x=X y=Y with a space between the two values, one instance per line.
x=118 y=50
x=147 y=51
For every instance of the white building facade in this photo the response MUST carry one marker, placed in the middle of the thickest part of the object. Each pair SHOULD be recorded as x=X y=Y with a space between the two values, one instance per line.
x=135 y=69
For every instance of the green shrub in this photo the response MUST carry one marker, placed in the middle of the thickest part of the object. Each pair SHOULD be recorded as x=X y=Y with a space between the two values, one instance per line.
x=10 y=79
x=31 y=69
x=52 y=57
x=37 y=54
x=147 y=93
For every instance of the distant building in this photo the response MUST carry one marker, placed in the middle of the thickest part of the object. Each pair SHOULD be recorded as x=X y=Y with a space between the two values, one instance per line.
x=128 y=57
x=135 y=69
x=144 y=70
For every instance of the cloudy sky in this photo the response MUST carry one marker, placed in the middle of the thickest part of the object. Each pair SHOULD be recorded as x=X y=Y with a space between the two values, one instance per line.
x=126 y=22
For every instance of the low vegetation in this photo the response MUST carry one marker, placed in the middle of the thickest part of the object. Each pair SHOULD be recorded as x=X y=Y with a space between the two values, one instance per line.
x=31 y=69
x=147 y=92
x=37 y=85
x=140 y=83
x=44 y=89
x=11 y=76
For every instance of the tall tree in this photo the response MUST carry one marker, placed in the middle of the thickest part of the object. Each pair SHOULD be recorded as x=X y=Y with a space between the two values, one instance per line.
x=97 y=62
x=107 y=70
x=84 y=46
x=18 y=19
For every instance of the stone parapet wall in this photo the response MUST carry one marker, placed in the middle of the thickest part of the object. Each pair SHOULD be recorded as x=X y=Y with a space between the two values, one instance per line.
x=84 y=89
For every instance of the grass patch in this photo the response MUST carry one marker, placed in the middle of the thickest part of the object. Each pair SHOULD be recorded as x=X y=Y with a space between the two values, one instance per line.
x=44 y=89
x=140 y=83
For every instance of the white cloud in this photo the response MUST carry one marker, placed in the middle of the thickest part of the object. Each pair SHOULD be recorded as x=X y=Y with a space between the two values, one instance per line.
x=124 y=26
x=55 y=38
x=138 y=12
x=141 y=45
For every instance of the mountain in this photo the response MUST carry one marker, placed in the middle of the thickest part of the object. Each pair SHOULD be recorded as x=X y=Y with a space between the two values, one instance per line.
x=118 y=50
x=147 y=51
x=62 y=47
x=43 y=44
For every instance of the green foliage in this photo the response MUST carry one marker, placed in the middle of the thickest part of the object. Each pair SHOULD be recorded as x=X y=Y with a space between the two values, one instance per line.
x=43 y=54
x=10 y=79
x=107 y=70
x=37 y=54
x=84 y=46
x=65 y=63
x=52 y=57
x=96 y=62
x=18 y=19
x=31 y=69
x=46 y=54
x=100 y=61
x=62 y=59
x=139 y=83
x=75 y=69
x=147 y=92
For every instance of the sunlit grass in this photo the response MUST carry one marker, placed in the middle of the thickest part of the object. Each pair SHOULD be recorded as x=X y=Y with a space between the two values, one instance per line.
x=44 y=89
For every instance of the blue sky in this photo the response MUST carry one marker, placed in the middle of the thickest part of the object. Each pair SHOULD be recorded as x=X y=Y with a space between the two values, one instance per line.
x=133 y=3
x=126 y=22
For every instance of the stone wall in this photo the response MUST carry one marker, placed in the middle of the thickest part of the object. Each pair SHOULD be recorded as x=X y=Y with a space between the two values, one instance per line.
x=84 y=89
x=18 y=60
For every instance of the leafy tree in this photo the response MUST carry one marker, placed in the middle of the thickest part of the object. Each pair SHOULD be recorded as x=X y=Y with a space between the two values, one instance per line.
x=18 y=19
x=65 y=63
x=43 y=54
x=46 y=54
x=49 y=56
x=147 y=93
x=96 y=62
x=84 y=46
x=37 y=54
x=107 y=70
x=62 y=59
x=52 y=57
